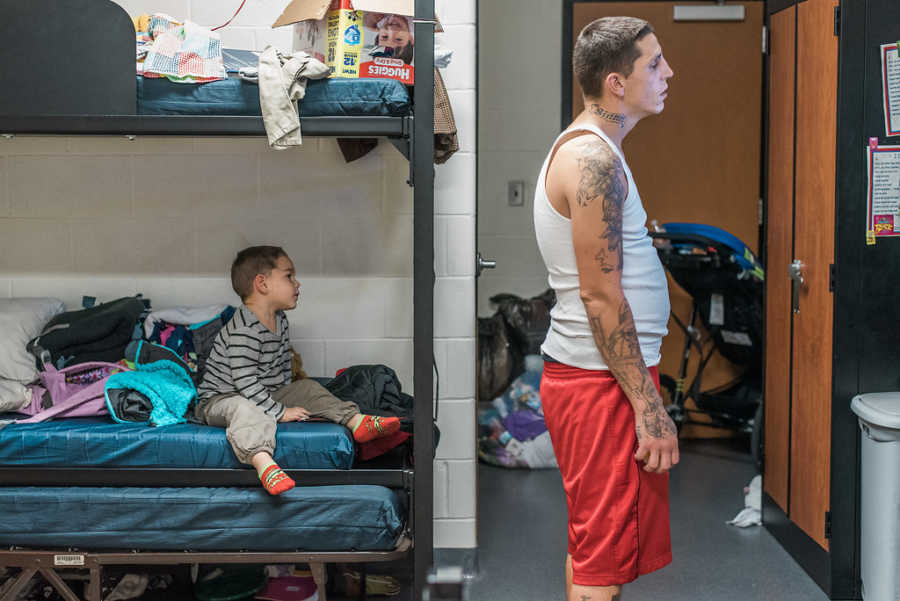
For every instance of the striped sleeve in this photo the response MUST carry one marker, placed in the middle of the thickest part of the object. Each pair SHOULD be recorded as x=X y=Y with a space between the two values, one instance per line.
x=244 y=356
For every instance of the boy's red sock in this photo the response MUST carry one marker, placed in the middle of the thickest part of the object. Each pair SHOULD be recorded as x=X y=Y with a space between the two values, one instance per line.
x=275 y=481
x=375 y=426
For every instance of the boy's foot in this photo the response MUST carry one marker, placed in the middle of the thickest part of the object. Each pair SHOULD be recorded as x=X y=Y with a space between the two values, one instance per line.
x=275 y=481
x=371 y=427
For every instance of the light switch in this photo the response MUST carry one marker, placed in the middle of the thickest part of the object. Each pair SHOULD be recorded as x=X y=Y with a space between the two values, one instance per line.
x=515 y=193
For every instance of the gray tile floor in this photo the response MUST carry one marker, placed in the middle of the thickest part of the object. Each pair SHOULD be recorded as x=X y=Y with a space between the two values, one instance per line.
x=522 y=537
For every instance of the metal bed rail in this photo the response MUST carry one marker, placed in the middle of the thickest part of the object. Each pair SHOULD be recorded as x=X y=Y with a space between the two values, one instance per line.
x=185 y=477
x=47 y=564
x=134 y=125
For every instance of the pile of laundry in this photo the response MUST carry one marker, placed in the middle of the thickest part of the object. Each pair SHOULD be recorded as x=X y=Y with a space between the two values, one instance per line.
x=117 y=358
x=512 y=432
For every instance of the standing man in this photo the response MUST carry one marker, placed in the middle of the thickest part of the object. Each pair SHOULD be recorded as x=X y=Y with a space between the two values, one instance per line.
x=600 y=390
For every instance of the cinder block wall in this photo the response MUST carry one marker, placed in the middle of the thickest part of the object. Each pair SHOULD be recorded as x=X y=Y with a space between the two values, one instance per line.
x=107 y=217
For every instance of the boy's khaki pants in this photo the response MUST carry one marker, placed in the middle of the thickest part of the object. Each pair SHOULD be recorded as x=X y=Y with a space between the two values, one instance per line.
x=251 y=431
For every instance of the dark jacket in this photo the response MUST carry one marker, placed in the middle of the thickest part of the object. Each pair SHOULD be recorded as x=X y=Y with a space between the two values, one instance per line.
x=375 y=388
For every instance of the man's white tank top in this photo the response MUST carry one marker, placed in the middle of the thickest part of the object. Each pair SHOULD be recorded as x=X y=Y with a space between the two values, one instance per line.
x=570 y=339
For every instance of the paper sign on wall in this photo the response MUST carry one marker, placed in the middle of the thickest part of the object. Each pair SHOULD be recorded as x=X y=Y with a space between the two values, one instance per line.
x=883 y=194
x=890 y=78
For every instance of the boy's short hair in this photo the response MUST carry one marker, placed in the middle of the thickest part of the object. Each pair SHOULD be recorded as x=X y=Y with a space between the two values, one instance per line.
x=251 y=262
x=607 y=45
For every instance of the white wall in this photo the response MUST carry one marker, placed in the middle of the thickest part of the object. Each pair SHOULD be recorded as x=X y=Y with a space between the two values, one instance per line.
x=107 y=217
x=519 y=95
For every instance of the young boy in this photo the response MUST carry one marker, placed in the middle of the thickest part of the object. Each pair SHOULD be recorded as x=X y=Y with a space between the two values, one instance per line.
x=247 y=387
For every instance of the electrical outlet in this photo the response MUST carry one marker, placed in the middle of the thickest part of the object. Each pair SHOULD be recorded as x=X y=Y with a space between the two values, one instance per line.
x=515 y=193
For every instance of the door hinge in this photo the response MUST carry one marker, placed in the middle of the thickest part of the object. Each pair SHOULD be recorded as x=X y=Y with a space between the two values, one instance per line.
x=828 y=525
x=765 y=40
x=837 y=20
x=831 y=278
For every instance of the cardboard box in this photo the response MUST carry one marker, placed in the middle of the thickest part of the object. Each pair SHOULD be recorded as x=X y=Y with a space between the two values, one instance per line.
x=356 y=38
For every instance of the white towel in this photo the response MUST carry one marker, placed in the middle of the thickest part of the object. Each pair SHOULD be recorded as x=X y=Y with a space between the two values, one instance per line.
x=751 y=515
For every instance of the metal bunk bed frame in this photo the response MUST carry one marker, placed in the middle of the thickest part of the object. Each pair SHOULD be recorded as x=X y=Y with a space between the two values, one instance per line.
x=107 y=108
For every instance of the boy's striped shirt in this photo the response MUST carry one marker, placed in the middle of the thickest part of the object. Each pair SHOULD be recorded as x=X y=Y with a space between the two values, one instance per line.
x=249 y=360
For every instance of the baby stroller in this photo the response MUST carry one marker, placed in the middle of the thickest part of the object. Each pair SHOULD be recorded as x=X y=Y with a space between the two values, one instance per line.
x=725 y=281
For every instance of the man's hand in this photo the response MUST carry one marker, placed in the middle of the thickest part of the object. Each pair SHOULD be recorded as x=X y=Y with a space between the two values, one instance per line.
x=657 y=439
x=294 y=414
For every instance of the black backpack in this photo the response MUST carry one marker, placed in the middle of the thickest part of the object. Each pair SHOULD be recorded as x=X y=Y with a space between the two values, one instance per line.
x=99 y=333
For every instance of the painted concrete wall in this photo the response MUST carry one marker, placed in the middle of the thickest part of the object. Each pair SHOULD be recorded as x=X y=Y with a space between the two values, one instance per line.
x=519 y=97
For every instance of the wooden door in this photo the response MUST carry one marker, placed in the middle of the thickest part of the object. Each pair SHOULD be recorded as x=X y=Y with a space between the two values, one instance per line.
x=817 y=53
x=698 y=161
x=779 y=253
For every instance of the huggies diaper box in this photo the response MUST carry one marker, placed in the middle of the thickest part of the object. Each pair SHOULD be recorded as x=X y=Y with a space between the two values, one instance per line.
x=356 y=38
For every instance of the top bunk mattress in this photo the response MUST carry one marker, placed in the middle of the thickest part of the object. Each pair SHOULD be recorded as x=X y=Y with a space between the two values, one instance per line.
x=236 y=97
x=97 y=442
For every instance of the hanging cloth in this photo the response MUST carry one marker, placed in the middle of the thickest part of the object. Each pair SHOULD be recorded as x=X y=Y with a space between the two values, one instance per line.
x=282 y=84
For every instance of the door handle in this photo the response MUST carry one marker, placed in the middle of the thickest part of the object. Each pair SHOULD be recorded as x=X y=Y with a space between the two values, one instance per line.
x=481 y=264
x=795 y=272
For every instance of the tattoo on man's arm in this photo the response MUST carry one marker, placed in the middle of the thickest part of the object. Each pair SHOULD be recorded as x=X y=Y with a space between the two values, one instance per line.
x=602 y=257
x=619 y=345
x=621 y=349
x=655 y=421
x=602 y=175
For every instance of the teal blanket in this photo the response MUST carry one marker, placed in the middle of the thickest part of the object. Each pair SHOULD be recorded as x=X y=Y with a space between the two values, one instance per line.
x=165 y=383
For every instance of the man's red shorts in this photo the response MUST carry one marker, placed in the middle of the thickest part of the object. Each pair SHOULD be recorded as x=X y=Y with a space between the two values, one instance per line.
x=618 y=513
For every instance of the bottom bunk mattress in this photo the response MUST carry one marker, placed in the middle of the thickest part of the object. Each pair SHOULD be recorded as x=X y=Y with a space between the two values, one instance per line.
x=98 y=442
x=306 y=518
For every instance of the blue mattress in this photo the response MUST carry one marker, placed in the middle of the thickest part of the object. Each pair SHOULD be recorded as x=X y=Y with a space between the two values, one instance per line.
x=310 y=518
x=87 y=442
x=233 y=96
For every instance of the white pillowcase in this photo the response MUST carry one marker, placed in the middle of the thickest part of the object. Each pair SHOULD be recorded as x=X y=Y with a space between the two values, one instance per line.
x=21 y=319
x=13 y=395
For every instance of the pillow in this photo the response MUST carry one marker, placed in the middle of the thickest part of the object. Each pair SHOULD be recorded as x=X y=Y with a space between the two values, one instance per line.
x=21 y=319
x=13 y=396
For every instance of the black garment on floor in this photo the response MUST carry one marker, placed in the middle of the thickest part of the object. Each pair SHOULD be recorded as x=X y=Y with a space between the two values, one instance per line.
x=100 y=333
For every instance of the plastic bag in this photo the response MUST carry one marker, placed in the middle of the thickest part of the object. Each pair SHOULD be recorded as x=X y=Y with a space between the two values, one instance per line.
x=499 y=361
x=528 y=319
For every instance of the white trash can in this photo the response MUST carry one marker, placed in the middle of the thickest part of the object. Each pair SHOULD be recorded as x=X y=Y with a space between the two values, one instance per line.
x=879 y=420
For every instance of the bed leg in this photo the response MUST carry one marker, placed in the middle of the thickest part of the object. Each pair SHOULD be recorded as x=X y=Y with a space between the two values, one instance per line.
x=318 y=573
x=59 y=584
x=363 y=582
x=18 y=584
x=93 y=587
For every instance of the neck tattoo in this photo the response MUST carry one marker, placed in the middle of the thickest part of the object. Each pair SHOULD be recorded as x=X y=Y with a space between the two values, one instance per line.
x=601 y=112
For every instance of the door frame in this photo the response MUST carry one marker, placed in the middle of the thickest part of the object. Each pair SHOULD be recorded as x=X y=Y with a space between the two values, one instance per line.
x=837 y=572
x=812 y=558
